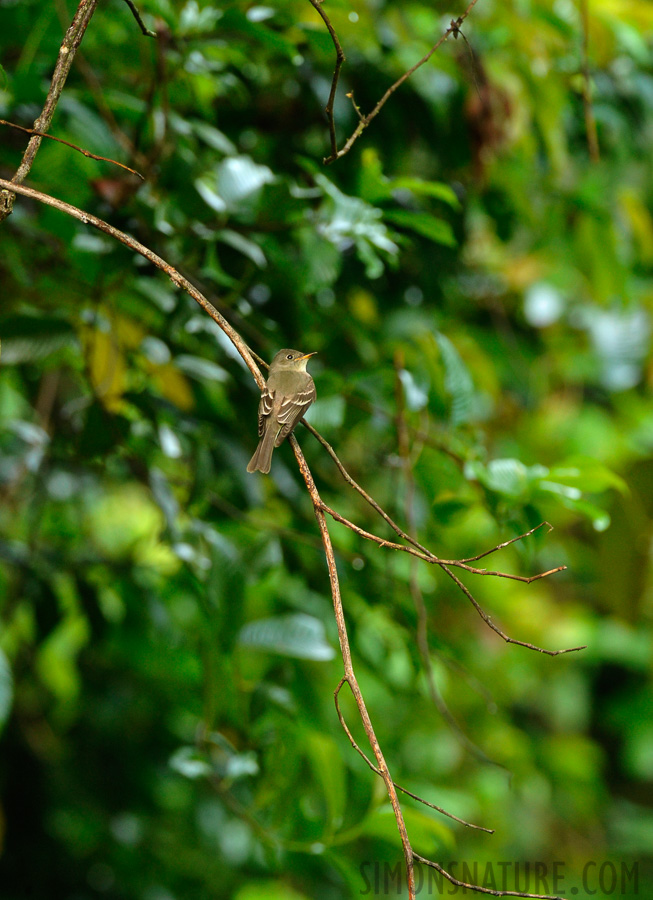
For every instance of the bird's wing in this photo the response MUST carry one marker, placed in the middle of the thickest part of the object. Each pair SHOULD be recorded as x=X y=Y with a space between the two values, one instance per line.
x=291 y=409
x=264 y=408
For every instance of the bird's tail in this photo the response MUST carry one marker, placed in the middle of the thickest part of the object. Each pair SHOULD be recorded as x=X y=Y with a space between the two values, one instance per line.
x=262 y=458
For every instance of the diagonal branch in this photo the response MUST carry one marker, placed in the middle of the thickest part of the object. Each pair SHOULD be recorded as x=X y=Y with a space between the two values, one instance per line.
x=475 y=887
x=488 y=621
x=345 y=650
x=369 y=762
x=139 y=21
x=81 y=150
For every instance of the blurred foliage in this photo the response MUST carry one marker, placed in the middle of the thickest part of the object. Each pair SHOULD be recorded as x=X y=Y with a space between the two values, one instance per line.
x=168 y=652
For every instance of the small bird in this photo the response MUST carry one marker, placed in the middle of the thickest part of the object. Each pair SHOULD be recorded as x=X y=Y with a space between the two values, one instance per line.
x=286 y=397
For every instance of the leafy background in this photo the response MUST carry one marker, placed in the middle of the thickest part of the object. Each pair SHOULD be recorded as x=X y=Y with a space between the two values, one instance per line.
x=168 y=654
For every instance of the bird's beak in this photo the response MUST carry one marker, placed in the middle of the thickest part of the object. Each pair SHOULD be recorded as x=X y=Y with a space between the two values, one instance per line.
x=306 y=356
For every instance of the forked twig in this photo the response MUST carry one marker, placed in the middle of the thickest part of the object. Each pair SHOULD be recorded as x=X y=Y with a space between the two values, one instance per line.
x=340 y=58
x=488 y=621
x=421 y=552
x=364 y=120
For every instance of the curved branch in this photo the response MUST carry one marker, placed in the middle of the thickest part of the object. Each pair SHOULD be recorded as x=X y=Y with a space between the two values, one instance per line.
x=176 y=277
x=340 y=58
x=478 y=888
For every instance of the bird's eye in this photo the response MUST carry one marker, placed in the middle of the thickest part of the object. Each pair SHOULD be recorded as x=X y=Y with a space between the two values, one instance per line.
x=289 y=356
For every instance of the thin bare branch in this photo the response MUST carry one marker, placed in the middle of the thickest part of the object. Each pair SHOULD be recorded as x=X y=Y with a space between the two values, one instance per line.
x=408 y=458
x=67 y=50
x=139 y=21
x=81 y=150
x=364 y=120
x=520 y=537
x=369 y=762
x=340 y=58
x=420 y=552
x=478 y=888
x=345 y=651
x=488 y=621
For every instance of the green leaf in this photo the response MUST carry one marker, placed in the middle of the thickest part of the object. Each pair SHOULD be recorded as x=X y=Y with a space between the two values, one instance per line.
x=587 y=474
x=436 y=189
x=436 y=230
x=509 y=477
x=268 y=890
x=243 y=245
x=299 y=635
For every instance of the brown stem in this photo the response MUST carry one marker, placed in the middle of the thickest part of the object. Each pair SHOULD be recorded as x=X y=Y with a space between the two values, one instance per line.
x=67 y=50
x=340 y=58
x=139 y=21
x=81 y=150
x=478 y=888
x=488 y=621
x=345 y=650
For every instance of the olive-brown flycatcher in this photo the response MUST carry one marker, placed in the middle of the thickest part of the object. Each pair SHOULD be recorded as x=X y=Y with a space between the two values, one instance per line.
x=286 y=397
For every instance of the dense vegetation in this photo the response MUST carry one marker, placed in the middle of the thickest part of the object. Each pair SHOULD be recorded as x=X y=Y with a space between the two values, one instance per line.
x=479 y=287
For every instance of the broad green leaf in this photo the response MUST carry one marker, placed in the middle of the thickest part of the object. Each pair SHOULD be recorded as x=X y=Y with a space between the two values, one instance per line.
x=587 y=474
x=435 y=189
x=436 y=230
x=297 y=635
x=243 y=245
x=28 y=338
